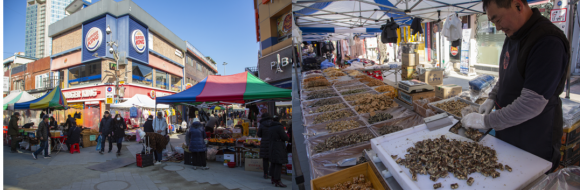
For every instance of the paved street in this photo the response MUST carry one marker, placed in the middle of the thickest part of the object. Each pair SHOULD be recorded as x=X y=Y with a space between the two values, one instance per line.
x=65 y=171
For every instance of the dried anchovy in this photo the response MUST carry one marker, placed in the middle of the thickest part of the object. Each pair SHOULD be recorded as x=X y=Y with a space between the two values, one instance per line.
x=313 y=78
x=357 y=96
x=372 y=81
x=332 y=107
x=317 y=88
x=470 y=181
x=338 y=126
x=357 y=183
x=379 y=117
x=474 y=134
x=325 y=102
x=437 y=186
x=454 y=186
x=335 y=73
x=345 y=83
x=389 y=129
x=353 y=91
x=453 y=107
x=508 y=168
x=437 y=157
x=316 y=83
x=342 y=140
x=321 y=94
x=479 y=101
x=385 y=88
x=329 y=116
x=455 y=128
x=349 y=87
x=373 y=103
x=361 y=160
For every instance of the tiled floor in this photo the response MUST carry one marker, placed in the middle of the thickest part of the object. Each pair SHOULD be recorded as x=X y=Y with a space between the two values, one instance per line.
x=136 y=181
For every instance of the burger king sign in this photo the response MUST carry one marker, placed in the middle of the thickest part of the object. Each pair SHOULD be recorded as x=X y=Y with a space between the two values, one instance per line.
x=93 y=39
x=138 y=40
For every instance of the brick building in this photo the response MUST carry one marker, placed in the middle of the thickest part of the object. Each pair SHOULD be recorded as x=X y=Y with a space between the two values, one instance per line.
x=12 y=62
x=197 y=66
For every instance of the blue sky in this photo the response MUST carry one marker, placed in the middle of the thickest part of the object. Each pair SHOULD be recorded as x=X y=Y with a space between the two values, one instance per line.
x=223 y=30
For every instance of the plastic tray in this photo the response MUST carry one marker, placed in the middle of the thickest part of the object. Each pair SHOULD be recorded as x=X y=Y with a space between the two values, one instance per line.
x=309 y=119
x=306 y=94
x=326 y=163
x=320 y=129
x=312 y=142
x=344 y=97
x=396 y=112
x=306 y=111
x=439 y=110
x=406 y=122
x=345 y=83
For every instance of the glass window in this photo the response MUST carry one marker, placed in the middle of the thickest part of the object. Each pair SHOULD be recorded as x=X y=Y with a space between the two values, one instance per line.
x=175 y=83
x=198 y=66
x=142 y=74
x=489 y=41
x=89 y=73
x=161 y=79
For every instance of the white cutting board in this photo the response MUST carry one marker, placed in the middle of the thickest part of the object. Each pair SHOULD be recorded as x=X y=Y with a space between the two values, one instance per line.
x=526 y=166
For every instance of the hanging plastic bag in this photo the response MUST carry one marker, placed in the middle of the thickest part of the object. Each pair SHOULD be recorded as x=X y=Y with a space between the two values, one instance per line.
x=566 y=178
x=99 y=139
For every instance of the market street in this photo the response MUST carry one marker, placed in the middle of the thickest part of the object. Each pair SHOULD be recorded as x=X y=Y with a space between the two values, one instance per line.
x=67 y=171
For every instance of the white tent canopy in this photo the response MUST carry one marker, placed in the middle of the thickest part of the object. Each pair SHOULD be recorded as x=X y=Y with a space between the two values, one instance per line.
x=139 y=100
x=17 y=97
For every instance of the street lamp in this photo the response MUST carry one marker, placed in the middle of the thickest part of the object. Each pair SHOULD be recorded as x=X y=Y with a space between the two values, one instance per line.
x=224 y=64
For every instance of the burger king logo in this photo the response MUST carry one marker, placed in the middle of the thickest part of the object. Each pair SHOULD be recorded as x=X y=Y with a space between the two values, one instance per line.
x=152 y=94
x=93 y=39
x=454 y=51
x=138 y=39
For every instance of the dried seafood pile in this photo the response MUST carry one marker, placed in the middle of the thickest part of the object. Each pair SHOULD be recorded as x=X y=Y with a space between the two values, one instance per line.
x=472 y=134
x=354 y=73
x=316 y=83
x=344 y=83
x=313 y=78
x=324 y=102
x=378 y=117
x=479 y=101
x=357 y=97
x=329 y=116
x=335 y=73
x=385 y=88
x=372 y=81
x=391 y=94
x=373 y=103
x=357 y=183
x=338 y=141
x=439 y=156
x=453 y=107
x=321 y=94
x=318 y=88
x=330 y=69
x=338 y=126
x=353 y=87
x=387 y=129
x=332 y=107
x=353 y=91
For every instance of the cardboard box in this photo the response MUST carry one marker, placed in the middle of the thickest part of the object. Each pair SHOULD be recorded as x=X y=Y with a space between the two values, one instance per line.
x=410 y=59
x=407 y=72
x=254 y=165
x=347 y=174
x=410 y=97
x=432 y=78
x=230 y=157
x=447 y=91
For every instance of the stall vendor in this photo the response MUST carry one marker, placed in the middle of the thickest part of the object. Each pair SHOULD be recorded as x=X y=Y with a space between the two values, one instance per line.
x=13 y=132
x=533 y=70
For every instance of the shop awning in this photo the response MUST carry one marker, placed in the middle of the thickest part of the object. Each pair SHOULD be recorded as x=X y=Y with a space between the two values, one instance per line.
x=54 y=99
x=139 y=100
x=236 y=88
x=17 y=97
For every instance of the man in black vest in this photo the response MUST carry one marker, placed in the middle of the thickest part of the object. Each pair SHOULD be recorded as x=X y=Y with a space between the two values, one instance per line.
x=532 y=72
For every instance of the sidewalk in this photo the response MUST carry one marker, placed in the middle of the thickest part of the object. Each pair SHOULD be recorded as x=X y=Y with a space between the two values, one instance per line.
x=65 y=171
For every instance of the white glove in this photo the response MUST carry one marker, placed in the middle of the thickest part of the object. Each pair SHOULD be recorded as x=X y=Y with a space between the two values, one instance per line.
x=486 y=107
x=473 y=120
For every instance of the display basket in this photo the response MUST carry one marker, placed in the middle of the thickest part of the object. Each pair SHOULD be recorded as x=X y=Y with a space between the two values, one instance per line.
x=406 y=122
x=310 y=111
x=396 y=112
x=311 y=143
x=330 y=162
x=310 y=119
x=346 y=175
x=320 y=129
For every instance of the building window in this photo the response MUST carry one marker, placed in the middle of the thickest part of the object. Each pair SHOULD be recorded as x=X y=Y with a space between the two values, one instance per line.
x=142 y=74
x=189 y=61
x=89 y=73
x=19 y=85
x=198 y=66
x=161 y=79
x=175 y=83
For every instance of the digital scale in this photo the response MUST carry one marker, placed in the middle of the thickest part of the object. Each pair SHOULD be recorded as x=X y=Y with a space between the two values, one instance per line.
x=412 y=86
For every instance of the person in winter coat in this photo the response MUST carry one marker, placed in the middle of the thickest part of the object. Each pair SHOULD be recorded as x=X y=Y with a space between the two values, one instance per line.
x=187 y=136
x=157 y=142
x=277 y=151
x=42 y=134
x=119 y=127
x=160 y=124
x=211 y=124
x=264 y=133
x=148 y=125
x=73 y=134
x=106 y=131
x=13 y=132
x=197 y=145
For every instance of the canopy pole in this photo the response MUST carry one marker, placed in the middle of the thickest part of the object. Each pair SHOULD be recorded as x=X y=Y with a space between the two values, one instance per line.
x=571 y=24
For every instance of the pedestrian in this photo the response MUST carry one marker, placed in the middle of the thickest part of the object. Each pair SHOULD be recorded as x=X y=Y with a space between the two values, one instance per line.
x=119 y=127
x=42 y=133
x=73 y=134
x=160 y=127
x=148 y=125
x=534 y=66
x=187 y=136
x=263 y=132
x=197 y=145
x=183 y=126
x=277 y=152
x=13 y=132
x=211 y=124
x=105 y=130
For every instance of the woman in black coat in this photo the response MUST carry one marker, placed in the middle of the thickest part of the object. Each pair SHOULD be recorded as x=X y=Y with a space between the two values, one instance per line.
x=148 y=125
x=119 y=127
x=278 y=155
x=263 y=132
x=73 y=134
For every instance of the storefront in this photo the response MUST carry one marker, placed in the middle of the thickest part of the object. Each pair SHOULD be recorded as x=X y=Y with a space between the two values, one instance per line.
x=276 y=68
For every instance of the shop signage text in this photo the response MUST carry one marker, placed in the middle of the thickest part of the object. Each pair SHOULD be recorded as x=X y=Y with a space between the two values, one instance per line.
x=280 y=63
x=93 y=39
x=81 y=93
x=138 y=40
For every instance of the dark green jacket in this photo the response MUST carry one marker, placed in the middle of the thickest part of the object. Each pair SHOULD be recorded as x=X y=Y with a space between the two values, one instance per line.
x=13 y=126
x=42 y=131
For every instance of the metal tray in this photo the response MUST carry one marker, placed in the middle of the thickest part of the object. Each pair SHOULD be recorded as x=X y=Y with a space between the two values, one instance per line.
x=439 y=110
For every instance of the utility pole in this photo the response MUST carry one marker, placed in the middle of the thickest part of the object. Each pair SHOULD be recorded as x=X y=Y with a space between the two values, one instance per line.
x=115 y=53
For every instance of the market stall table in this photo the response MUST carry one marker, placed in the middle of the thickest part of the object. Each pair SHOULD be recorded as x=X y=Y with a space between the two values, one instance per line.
x=59 y=143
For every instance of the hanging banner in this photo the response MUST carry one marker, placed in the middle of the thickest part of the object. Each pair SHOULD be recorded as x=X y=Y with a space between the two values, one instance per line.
x=464 y=66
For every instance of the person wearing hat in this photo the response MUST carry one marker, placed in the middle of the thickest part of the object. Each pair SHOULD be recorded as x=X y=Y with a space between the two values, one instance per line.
x=148 y=125
x=13 y=132
x=43 y=134
x=105 y=130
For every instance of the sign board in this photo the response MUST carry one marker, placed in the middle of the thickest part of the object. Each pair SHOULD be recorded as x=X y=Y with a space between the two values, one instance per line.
x=188 y=85
x=110 y=90
x=112 y=66
x=89 y=93
x=178 y=53
x=93 y=39
x=6 y=84
x=558 y=15
x=464 y=65
x=138 y=41
x=109 y=99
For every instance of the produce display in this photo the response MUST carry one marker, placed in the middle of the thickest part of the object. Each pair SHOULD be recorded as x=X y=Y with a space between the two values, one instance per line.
x=453 y=107
x=338 y=126
x=321 y=94
x=325 y=102
x=339 y=141
x=378 y=117
x=353 y=91
x=329 y=116
x=357 y=183
x=326 y=108
x=389 y=129
x=440 y=156
x=385 y=88
x=229 y=141
x=372 y=81
x=371 y=103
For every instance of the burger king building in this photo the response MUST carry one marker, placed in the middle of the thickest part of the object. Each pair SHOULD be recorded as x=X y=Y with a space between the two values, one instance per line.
x=154 y=55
